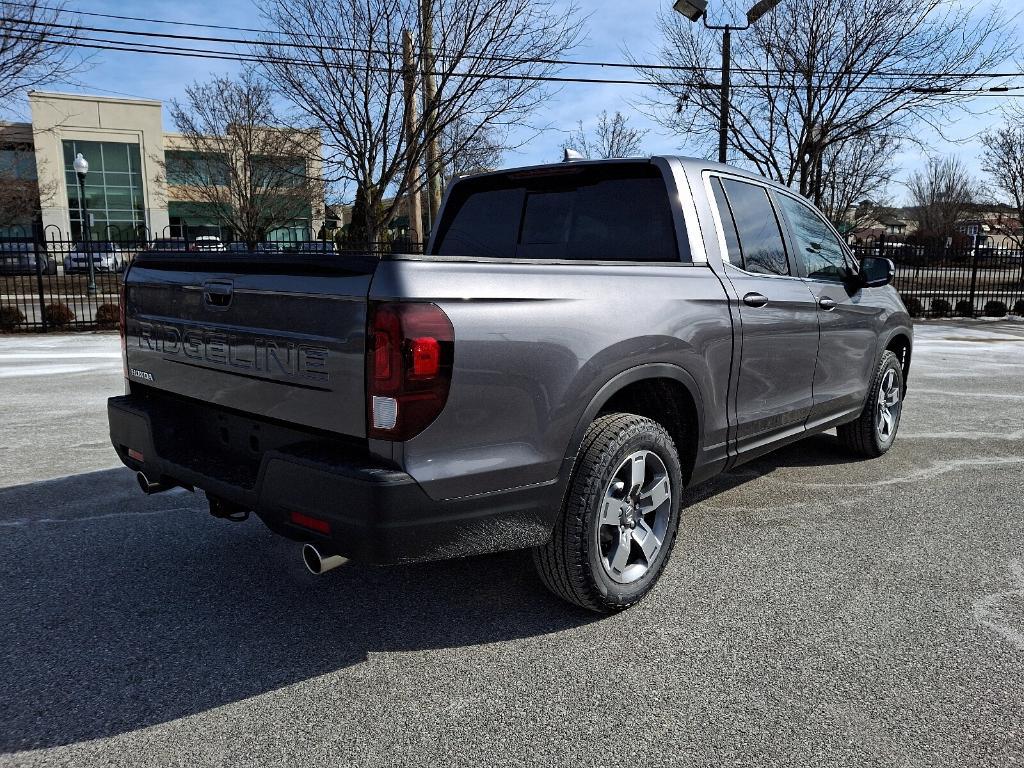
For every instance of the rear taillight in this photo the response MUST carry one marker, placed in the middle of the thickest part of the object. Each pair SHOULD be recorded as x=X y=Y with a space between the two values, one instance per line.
x=410 y=348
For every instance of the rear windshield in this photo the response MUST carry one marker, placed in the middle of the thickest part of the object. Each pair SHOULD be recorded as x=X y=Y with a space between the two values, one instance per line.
x=606 y=212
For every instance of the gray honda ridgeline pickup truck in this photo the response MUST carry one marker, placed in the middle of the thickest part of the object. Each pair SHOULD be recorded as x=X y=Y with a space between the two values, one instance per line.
x=579 y=343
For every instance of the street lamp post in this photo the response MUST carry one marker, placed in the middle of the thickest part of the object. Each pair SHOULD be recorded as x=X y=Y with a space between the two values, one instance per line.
x=81 y=168
x=696 y=10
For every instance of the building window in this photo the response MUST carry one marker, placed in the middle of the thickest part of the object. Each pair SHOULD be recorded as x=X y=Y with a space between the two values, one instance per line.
x=18 y=164
x=114 y=199
x=196 y=168
x=281 y=172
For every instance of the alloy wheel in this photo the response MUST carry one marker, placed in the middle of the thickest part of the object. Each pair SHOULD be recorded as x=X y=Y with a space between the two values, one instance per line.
x=889 y=406
x=634 y=517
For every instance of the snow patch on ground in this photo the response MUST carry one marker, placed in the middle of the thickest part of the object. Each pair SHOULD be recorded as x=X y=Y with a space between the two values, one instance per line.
x=29 y=356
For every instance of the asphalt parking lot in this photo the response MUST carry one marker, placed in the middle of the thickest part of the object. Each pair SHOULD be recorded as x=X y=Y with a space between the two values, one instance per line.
x=816 y=611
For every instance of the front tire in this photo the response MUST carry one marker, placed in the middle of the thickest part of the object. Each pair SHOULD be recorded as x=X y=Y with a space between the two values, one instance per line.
x=620 y=517
x=874 y=431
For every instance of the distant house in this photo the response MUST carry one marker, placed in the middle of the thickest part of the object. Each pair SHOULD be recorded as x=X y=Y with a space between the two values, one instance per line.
x=995 y=227
x=880 y=223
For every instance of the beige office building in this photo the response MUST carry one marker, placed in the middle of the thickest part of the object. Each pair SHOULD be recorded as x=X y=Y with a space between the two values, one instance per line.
x=128 y=150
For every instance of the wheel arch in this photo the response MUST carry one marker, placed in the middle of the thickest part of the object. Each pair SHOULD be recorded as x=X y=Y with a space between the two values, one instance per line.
x=901 y=345
x=640 y=390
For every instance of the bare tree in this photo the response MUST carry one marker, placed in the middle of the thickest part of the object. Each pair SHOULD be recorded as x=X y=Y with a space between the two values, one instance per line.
x=942 y=195
x=613 y=137
x=339 y=63
x=252 y=173
x=1003 y=160
x=19 y=202
x=32 y=54
x=814 y=74
x=21 y=192
x=853 y=171
x=462 y=154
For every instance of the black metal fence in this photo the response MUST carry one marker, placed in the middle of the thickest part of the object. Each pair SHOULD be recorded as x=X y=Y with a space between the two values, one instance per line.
x=940 y=280
x=46 y=285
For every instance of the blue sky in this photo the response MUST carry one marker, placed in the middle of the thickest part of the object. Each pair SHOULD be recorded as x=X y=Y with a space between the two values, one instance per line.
x=612 y=26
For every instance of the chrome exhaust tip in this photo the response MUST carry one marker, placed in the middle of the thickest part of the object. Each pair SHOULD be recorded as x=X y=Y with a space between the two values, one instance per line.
x=150 y=487
x=319 y=562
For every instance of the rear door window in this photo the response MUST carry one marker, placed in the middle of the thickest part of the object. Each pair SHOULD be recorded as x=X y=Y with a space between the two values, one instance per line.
x=604 y=212
x=732 y=241
x=762 y=249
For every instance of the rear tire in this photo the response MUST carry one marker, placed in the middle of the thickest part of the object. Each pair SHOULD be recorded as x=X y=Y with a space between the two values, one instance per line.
x=874 y=431
x=620 y=517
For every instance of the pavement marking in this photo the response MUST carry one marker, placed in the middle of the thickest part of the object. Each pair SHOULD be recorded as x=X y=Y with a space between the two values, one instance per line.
x=987 y=609
x=925 y=473
x=994 y=395
x=41 y=520
x=1014 y=435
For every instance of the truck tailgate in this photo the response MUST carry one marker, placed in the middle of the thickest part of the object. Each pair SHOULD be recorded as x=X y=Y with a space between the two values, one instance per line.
x=288 y=347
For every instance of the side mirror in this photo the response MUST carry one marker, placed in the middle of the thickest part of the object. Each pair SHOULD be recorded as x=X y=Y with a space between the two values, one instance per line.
x=876 y=271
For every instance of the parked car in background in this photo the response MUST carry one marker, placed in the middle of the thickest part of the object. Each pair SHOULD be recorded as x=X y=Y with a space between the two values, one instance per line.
x=169 y=244
x=106 y=257
x=207 y=243
x=257 y=248
x=25 y=259
x=318 y=246
x=990 y=256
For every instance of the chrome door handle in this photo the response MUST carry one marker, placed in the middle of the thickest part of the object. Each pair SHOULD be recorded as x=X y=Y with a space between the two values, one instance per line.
x=755 y=300
x=826 y=303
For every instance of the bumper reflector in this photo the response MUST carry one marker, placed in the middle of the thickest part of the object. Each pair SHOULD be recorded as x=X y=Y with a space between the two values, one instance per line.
x=313 y=523
x=137 y=455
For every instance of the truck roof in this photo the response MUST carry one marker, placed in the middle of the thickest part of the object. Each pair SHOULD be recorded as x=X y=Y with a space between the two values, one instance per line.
x=695 y=164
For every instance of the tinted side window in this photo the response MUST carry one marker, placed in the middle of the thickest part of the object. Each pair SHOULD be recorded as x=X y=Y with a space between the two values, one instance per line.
x=817 y=247
x=602 y=213
x=759 y=232
x=732 y=242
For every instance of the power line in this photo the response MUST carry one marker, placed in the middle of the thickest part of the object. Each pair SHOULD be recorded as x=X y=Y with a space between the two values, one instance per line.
x=234 y=56
x=277 y=42
x=153 y=49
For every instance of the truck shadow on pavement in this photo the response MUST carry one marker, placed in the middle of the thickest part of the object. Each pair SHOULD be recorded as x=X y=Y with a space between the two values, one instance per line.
x=123 y=611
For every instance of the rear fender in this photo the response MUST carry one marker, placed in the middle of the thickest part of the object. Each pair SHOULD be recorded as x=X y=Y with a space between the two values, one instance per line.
x=618 y=383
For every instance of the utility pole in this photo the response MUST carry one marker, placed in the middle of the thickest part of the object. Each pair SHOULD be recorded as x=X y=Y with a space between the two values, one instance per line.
x=415 y=209
x=723 y=112
x=430 y=109
x=696 y=10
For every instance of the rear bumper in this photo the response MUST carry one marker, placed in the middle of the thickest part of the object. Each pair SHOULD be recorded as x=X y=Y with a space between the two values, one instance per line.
x=376 y=514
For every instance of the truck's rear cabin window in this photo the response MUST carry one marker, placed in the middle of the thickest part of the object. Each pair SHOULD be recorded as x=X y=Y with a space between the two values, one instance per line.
x=596 y=213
